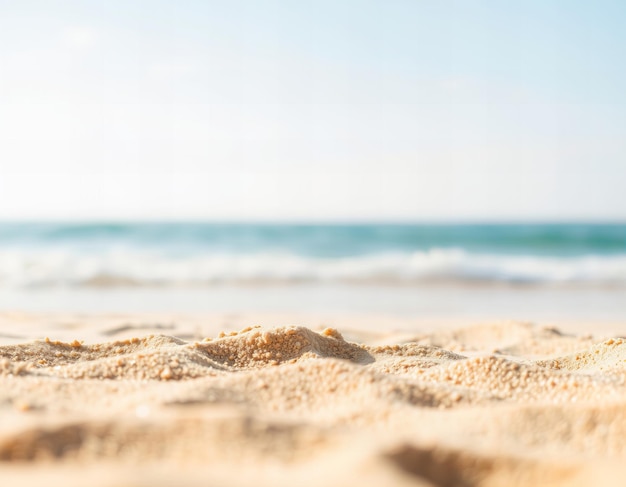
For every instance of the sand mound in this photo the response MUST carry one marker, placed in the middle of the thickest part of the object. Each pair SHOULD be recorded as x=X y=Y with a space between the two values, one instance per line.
x=254 y=348
x=508 y=338
x=309 y=403
x=505 y=379
x=610 y=355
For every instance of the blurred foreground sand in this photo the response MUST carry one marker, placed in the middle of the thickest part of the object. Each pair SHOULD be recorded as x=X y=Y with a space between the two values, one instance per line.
x=264 y=399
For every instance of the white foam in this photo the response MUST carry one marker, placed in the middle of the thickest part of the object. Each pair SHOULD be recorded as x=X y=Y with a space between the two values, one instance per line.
x=27 y=268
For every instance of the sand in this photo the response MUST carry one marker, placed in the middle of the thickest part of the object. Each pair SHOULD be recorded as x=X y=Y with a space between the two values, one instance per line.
x=114 y=400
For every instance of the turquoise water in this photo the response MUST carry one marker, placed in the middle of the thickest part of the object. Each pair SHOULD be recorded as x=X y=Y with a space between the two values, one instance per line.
x=174 y=254
x=328 y=240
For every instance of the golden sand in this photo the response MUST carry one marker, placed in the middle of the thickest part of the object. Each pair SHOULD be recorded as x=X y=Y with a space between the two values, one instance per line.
x=504 y=404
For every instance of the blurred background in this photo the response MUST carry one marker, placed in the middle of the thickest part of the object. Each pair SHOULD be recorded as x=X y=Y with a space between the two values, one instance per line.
x=469 y=271
x=453 y=159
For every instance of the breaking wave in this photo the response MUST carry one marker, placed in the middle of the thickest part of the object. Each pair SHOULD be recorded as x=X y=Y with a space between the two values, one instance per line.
x=48 y=267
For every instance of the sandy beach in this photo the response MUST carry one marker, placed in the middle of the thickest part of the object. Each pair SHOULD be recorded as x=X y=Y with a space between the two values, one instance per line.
x=312 y=244
x=270 y=399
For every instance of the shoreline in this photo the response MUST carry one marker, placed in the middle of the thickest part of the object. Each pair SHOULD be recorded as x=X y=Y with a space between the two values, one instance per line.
x=476 y=303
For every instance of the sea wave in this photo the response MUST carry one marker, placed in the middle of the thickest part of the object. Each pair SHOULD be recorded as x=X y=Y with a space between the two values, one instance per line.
x=19 y=268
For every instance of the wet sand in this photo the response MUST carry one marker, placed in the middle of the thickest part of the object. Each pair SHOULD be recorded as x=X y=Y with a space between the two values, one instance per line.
x=241 y=399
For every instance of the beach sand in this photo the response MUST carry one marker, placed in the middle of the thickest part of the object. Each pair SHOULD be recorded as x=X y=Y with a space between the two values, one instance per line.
x=267 y=399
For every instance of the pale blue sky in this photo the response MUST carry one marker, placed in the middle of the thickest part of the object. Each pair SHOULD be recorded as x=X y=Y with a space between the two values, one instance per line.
x=320 y=110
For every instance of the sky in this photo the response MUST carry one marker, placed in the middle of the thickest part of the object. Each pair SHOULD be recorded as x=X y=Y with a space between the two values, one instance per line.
x=312 y=110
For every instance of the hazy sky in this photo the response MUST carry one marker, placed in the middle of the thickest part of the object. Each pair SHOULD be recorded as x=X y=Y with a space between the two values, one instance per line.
x=318 y=110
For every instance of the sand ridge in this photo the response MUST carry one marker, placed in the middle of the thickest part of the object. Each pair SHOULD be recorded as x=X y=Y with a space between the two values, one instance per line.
x=494 y=404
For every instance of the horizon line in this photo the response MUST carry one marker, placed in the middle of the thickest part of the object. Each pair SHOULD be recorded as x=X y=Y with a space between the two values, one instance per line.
x=317 y=221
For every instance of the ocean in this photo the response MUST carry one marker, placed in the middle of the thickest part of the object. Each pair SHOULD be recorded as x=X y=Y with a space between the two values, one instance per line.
x=541 y=272
x=36 y=255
